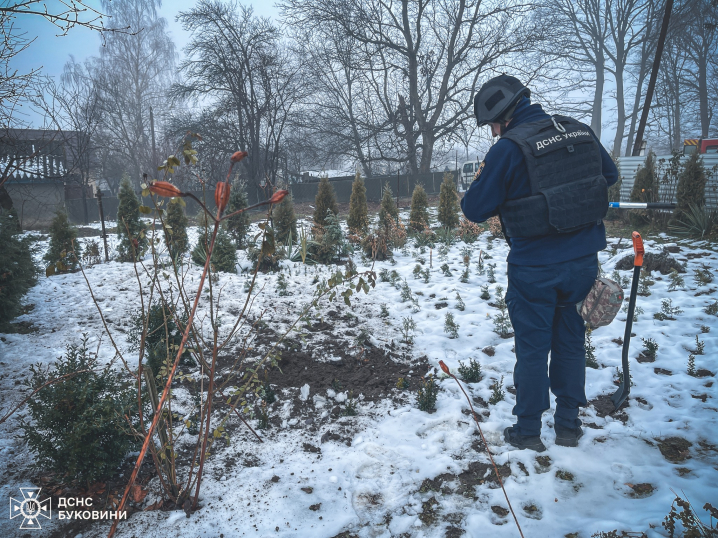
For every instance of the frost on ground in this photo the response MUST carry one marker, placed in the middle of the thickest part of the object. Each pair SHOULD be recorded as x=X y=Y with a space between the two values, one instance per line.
x=391 y=469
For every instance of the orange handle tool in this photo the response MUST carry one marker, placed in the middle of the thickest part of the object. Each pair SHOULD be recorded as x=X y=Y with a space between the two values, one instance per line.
x=638 y=250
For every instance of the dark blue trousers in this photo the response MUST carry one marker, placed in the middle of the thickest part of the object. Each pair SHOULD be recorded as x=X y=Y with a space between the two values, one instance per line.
x=542 y=307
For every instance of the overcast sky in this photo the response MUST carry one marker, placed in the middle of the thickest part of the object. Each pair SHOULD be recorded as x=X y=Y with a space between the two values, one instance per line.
x=50 y=53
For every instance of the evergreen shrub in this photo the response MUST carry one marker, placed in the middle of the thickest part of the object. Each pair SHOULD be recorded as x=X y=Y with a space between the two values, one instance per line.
x=358 y=220
x=285 y=221
x=224 y=255
x=691 y=187
x=175 y=230
x=645 y=189
x=133 y=244
x=162 y=339
x=388 y=210
x=448 y=203
x=325 y=201
x=238 y=225
x=419 y=215
x=62 y=235
x=78 y=426
x=17 y=269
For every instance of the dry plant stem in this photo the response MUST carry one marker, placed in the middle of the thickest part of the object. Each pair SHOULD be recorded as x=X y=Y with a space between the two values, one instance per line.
x=210 y=392
x=51 y=382
x=166 y=390
x=102 y=318
x=498 y=476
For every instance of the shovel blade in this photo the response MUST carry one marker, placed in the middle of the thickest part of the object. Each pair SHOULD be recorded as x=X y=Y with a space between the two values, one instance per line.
x=620 y=396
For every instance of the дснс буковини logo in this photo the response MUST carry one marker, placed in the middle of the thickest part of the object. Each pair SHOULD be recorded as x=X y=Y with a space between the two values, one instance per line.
x=30 y=508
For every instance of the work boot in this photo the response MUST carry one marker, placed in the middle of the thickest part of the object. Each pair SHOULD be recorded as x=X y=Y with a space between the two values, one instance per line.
x=515 y=439
x=567 y=436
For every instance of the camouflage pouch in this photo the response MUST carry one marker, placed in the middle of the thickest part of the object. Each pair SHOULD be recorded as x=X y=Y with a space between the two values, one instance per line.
x=601 y=304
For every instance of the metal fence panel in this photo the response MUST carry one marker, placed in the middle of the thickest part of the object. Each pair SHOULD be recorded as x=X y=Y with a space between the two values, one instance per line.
x=628 y=168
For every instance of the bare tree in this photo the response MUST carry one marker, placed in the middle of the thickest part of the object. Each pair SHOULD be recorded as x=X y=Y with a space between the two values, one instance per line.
x=64 y=14
x=628 y=26
x=640 y=67
x=427 y=57
x=72 y=109
x=240 y=61
x=336 y=72
x=585 y=30
x=131 y=75
x=16 y=87
x=671 y=98
x=701 y=42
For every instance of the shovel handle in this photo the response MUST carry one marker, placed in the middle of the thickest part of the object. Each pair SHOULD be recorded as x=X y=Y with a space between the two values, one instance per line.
x=638 y=250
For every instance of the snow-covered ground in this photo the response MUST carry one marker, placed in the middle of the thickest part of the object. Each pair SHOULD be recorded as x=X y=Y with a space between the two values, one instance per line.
x=374 y=483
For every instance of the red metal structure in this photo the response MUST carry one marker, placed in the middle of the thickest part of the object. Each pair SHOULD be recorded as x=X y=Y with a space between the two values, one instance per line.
x=700 y=145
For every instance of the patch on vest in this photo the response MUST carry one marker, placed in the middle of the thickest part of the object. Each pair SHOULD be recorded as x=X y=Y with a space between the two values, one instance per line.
x=544 y=143
x=478 y=172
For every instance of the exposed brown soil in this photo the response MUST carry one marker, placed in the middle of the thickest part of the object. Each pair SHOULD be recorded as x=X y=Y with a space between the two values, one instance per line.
x=477 y=474
x=675 y=449
x=663 y=262
x=640 y=491
x=604 y=407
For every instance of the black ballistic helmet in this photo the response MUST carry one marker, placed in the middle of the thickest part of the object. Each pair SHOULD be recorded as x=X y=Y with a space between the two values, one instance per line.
x=497 y=98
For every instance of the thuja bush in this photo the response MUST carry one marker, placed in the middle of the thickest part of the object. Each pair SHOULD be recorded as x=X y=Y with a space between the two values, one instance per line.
x=497 y=391
x=448 y=203
x=17 y=270
x=419 y=215
x=468 y=231
x=324 y=202
x=238 y=225
x=426 y=394
x=78 y=427
x=285 y=221
x=358 y=219
x=502 y=321
x=130 y=228
x=224 y=255
x=450 y=326
x=162 y=335
x=330 y=242
x=590 y=350
x=63 y=235
x=645 y=189
x=266 y=256
x=175 y=229
x=388 y=211
x=691 y=187
x=470 y=373
x=650 y=347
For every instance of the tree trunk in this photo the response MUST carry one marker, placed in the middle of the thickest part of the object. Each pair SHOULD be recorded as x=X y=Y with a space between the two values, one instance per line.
x=85 y=214
x=703 y=94
x=5 y=199
x=677 y=142
x=620 y=111
x=427 y=151
x=598 y=98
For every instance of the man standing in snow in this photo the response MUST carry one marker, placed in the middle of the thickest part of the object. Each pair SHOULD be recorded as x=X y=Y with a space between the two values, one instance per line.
x=546 y=178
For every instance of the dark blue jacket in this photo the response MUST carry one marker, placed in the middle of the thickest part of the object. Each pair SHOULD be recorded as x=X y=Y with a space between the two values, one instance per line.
x=505 y=177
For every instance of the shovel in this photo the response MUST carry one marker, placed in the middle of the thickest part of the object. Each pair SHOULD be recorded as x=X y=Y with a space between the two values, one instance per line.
x=624 y=388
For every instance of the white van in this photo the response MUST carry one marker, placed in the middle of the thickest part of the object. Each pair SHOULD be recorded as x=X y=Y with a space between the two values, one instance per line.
x=468 y=171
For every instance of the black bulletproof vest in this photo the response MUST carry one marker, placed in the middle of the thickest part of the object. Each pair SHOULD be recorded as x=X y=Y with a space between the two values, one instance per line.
x=568 y=190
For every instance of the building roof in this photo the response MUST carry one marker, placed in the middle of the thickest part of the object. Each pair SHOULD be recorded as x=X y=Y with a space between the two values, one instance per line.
x=37 y=156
